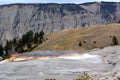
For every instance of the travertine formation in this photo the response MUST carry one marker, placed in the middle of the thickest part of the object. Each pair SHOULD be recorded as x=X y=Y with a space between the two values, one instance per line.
x=17 y=19
x=100 y=64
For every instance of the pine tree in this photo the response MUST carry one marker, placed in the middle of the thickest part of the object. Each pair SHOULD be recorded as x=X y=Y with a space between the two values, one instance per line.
x=36 y=37
x=7 y=47
x=30 y=36
x=1 y=50
x=19 y=46
x=29 y=45
x=27 y=38
x=115 y=41
x=80 y=43
x=14 y=41
x=41 y=37
x=41 y=34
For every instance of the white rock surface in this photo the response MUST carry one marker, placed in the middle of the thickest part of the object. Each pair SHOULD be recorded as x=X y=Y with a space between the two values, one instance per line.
x=100 y=64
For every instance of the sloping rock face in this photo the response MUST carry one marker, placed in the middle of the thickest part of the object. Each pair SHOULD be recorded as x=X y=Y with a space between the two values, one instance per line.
x=17 y=19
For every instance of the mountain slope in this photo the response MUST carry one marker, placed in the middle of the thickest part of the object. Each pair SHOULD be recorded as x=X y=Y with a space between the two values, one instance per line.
x=90 y=37
x=17 y=19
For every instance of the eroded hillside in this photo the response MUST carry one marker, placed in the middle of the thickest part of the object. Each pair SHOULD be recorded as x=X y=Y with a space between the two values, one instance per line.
x=90 y=37
x=17 y=19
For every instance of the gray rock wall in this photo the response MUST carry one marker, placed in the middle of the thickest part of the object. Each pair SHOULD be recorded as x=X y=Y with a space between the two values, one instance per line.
x=17 y=19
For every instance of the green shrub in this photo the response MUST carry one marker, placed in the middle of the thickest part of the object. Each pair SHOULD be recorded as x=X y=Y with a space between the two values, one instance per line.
x=115 y=41
x=118 y=78
x=80 y=43
x=84 y=76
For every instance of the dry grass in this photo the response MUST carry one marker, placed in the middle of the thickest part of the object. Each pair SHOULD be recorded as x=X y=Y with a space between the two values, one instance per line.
x=69 y=39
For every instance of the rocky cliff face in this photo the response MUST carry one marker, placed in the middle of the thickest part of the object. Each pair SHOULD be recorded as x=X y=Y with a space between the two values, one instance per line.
x=17 y=19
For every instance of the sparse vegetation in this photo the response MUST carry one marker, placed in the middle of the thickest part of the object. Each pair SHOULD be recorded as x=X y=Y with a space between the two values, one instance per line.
x=94 y=42
x=85 y=42
x=118 y=78
x=84 y=76
x=90 y=37
x=80 y=43
x=23 y=44
x=110 y=36
x=114 y=41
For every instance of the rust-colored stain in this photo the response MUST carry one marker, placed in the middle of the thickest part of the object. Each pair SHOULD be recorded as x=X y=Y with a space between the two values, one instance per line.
x=19 y=57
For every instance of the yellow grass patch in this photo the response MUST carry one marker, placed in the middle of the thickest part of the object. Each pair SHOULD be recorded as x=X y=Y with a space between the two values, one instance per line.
x=69 y=39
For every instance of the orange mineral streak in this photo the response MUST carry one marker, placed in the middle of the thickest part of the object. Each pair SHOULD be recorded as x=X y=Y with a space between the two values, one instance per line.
x=13 y=57
x=20 y=57
x=45 y=57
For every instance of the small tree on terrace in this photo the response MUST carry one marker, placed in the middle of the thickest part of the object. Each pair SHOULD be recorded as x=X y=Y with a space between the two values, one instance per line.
x=80 y=43
x=114 y=40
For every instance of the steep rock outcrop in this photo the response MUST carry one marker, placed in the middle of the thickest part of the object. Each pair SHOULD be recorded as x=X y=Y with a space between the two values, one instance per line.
x=17 y=19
